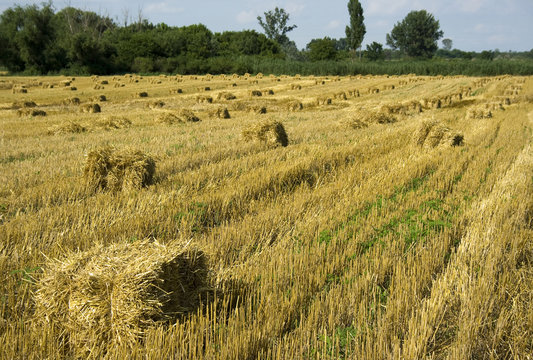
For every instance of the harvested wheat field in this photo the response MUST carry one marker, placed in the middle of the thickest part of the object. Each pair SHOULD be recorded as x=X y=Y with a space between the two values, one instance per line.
x=380 y=217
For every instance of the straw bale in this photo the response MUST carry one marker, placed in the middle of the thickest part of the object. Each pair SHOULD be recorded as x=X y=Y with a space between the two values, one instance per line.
x=478 y=113
x=341 y=96
x=71 y=101
x=100 y=98
x=270 y=92
x=220 y=113
x=323 y=100
x=108 y=296
x=70 y=127
x=188 y=115
x=113 y=122
x=296 y=87
x=19 y=90
x=269 y=132
x=204 y=99
x=23 y=104
x=91 y=108
x=141 y=94
x=176 y=91
x=30 y=112
x=71 y=88
x=256 y=93
x=168 y=118
x=226 y=96
x=295 y=105
x=104 y=82
x=432 y=133
x=156 y=104
x=354 y=123
x=258 y=109
x=107 y=168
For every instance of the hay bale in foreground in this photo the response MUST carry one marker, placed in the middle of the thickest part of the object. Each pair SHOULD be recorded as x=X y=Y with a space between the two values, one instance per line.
x=110 y=169
x=433 y=133
x=270 y=132
x=108 y=296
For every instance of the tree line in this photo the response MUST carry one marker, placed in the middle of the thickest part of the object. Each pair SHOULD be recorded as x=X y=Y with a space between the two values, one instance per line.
x=38 y=40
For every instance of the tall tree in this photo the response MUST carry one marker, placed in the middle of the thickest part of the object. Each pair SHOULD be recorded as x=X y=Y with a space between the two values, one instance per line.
x=275 y=25
x=416 y=35
x=355 y=33
x=447 y=43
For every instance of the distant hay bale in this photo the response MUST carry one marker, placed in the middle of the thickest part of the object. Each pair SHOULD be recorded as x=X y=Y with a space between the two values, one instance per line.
x=141 y=94
x=71 y=88
x=19 y=90
x=205 y=88
x=478 y=113
x=295 y=105
x=71 y=101
x=200 y=99
x=432 y=133
x=176 y=91
x=70 y=127
x=296 y=87
x=23 y=104
x=108 y=296
x=91 y=108
x=220 y=113
x=226 y=96
x=104 y=82
x=355 y=123
x=110 y=169
x=341 y=96
x=188 y=116
x=100 y=98
x=259 y=110
x=269 y=132
x=30 y=112
x=112 y=122
x=270 y=92
x=256 y=93
x=156 y=104
x=168 y=118
x=373 y=91
x=323 y=100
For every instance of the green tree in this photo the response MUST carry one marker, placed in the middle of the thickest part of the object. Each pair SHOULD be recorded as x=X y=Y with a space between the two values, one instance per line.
x=374 y=52
x=275 y=25
x=355 y=33
x=447 y=43
x=416 y=35
x=322 y=49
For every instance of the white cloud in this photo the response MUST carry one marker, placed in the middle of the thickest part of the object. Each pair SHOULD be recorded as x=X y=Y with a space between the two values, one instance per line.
x=333 y=24
x=246 y=17
x=294 y=8
x=164 y=7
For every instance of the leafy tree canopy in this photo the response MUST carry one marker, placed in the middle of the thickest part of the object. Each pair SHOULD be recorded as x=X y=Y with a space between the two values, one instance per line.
x=416 y=35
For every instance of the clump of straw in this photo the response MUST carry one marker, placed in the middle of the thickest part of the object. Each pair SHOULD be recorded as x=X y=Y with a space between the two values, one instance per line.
x=70 y=127
x=108 y=296
x=107 y=168
x=91 y=108
x=433 y=133
x=269 y=132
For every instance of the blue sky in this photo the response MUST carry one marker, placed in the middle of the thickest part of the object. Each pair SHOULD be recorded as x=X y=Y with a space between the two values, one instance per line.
x=473 y=25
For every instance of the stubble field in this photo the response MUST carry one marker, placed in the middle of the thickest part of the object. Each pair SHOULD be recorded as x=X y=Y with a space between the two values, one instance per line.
x=396 y=223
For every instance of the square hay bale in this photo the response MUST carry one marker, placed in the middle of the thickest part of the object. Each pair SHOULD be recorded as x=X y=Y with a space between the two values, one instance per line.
x=107 y=168
x=269 y=132
x=70 y=127
x=108 y=296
